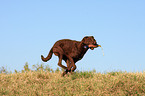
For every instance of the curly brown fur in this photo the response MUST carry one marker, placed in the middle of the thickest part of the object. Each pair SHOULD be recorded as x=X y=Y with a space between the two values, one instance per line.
x=71 y=51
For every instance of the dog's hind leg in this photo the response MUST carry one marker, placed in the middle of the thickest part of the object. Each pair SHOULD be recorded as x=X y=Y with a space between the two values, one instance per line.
x=60 y=62
x=59 y=52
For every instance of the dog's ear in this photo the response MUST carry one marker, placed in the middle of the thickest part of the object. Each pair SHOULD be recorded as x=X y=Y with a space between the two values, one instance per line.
x=92 y=37
x=84 y=39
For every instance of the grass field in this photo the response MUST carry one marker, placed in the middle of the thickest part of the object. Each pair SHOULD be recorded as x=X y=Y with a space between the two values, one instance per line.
x=50 y=83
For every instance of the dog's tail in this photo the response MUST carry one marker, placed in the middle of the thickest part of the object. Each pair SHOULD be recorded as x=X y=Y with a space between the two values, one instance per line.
x=48 y=57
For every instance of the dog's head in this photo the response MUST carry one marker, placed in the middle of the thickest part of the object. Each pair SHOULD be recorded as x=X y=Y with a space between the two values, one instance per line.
x=90 y=42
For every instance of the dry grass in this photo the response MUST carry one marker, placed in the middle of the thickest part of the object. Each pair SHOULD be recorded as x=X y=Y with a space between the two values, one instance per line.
x=43 y=83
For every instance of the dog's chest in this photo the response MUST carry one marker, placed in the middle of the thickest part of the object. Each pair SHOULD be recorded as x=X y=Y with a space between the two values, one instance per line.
x=78 y=53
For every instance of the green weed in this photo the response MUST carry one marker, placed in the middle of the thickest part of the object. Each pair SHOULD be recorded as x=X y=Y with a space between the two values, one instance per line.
x=78 y=75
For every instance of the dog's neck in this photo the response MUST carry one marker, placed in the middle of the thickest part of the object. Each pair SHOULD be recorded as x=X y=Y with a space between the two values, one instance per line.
x=83 y=47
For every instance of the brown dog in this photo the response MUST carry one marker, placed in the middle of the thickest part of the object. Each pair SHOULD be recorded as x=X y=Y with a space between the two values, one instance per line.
x=71 y=51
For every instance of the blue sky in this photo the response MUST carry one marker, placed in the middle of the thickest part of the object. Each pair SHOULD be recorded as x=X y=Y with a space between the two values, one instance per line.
x=29 y=28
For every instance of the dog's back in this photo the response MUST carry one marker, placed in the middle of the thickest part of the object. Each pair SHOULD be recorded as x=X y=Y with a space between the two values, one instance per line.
x=67 y=45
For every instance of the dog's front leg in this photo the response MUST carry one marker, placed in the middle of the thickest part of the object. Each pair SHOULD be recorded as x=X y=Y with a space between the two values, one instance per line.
x=71 y=64
x=68 y=65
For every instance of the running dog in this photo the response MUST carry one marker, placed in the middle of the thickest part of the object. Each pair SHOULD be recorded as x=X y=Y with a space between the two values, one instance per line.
x=71 y=51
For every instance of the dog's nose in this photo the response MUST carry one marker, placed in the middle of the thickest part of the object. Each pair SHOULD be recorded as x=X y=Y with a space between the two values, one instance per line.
x=96 y=44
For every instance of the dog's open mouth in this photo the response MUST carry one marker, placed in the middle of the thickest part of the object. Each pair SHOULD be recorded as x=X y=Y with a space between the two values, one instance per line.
x=93 y=46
